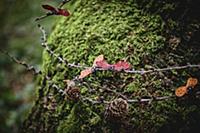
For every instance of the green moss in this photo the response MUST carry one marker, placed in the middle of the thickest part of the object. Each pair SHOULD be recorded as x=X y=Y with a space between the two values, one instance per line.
x=80 y=119
x=118 y=30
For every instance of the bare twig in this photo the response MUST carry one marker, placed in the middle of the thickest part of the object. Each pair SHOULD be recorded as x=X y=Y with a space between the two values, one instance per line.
x=44 y=16
x=115 y=92
x=94 y=101
x=27 y=66
x=142 y=100
x=133 y=71
x=130 y=100
x=63 y=3
x=59 y=89
x=149 y=99
x=171 y=68
x=142 y=72
x=51 y=52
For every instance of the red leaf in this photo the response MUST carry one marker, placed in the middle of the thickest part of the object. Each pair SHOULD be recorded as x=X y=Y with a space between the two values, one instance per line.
x=85 y=73
x=122 y=65
x=103 y=64
x=56 y=11
x=63 y=12
x=50 y=8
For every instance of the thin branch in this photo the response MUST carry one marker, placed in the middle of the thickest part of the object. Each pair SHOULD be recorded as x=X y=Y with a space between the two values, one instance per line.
x=63 y=3
x=142 y=100
x=27 y=66
x=149 y=99
x=44 y=16
x=51 y=52
x=130 y=100
x=58 y=89
x=133 y=71
x=87 y=99
x=142 y=72
x=172 y=68
x=115 y=92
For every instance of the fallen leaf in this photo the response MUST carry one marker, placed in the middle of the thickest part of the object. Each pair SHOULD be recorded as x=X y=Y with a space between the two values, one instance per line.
x=85 y=73
x=191 y=82
x=63 y=12
x=49 y=7
x=121 y=65
x=56 y=11
x=181 y=91
x=103 y=64
x=97 y=59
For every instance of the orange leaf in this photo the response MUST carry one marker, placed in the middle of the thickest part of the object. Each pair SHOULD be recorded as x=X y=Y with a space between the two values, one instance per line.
x=98 y=59
x=192 y=82
x=85 y=73
x=181 y=91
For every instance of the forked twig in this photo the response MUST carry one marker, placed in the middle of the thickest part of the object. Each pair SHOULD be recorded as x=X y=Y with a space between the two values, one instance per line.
x=27 y=66
x=63 y=3
x=162 y=69
x=51 y=52
x=142 y=100
x=133 y=71
x=44 y=16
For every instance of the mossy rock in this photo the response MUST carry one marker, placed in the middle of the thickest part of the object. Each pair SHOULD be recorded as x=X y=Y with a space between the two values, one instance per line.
x=120 y=30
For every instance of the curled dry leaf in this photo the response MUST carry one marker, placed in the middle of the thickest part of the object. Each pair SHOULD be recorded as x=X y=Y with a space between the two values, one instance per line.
x=103 y=64
x=181 y=91
x=63 y=12
x=98 y=59
x=191 y=82
x=56 y=11
x=49 y=7
x=85 y=73
x=122 y=65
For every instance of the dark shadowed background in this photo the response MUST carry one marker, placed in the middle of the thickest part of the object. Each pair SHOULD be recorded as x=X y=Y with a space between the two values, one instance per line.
x=19 y=36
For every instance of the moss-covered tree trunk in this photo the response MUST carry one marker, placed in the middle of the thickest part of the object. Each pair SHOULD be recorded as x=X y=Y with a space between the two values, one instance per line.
x=146 y=34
